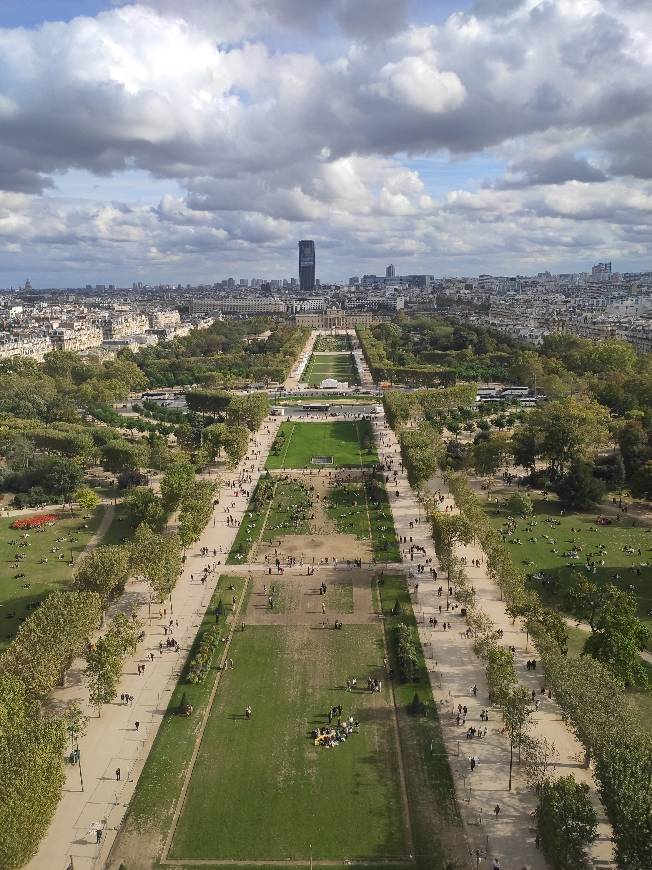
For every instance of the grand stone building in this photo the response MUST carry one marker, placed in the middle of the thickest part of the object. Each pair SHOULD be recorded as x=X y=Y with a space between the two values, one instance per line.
x=334 y=318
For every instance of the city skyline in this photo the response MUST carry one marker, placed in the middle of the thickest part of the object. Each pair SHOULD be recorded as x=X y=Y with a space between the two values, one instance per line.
x=445 y=138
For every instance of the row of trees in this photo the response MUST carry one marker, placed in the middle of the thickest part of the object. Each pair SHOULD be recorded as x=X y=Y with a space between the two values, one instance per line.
x=591 y=694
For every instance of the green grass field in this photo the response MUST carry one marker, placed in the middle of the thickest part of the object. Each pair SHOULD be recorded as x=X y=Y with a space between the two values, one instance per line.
x=365 y=514
x=331 y=365
x=297 y=443
x=261 y=789
x=585 y=539
x=18 y=599
x=152 y=805
x=289 y=512
x=332 y=343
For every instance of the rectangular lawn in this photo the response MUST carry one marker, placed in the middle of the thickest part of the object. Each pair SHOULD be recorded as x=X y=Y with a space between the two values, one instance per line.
x=330 y=365
x=297 y=443
x=260 y=788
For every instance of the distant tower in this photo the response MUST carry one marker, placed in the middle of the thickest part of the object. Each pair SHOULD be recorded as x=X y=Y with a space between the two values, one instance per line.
x=390 y=271
x=307 y=265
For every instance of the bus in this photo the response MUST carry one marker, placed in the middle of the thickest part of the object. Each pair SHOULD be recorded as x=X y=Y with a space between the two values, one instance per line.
x=315 y=406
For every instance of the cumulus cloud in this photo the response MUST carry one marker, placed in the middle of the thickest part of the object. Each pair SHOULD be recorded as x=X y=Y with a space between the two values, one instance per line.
x=270 y=143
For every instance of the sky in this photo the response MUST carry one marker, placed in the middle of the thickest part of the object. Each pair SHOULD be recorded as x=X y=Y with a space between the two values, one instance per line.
x=185 y=141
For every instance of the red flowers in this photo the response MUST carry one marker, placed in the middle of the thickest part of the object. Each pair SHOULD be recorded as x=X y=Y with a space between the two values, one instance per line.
x=34 y=522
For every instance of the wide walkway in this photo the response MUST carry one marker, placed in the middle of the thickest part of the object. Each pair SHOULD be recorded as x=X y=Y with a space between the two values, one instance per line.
x=123 y=735
x=454 y=670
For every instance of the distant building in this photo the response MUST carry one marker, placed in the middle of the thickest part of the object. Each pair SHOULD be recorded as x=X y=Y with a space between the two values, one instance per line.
x=390 y=271
x=306 y=266
x=249 y=305
x=334 y=318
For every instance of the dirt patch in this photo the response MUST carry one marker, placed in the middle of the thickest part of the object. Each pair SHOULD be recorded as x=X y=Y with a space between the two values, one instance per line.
x=323 y=541
x=313 y=549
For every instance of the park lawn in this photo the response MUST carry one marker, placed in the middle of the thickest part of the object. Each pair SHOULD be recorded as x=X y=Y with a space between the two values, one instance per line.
x=289 y=512
x=260 y=789
x=362 y=514
x=248 y=533
x=152 y=806
x=339 y=597
x=383 y=534
x=332 y=343
x=333 y=365
x=17 y=602
x=347 y=509
x=437 y=826
x=297 y=443
x=627 y=532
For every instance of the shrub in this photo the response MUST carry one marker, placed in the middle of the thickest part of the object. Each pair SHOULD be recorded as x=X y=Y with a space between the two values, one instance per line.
x=406 y=651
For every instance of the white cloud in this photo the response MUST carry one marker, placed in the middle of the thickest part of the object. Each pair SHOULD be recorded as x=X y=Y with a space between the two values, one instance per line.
x=271 y=143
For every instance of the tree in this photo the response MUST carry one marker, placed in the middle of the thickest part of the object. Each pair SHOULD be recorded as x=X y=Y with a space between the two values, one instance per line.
x=57 y=631
x=31 y=772
x=571 y=429
x=641 y=481
x=490 y=454
x=104 y=570
x=86 y=498
x=176 y=482
x=121 y=455
x=516 y=712
x=567 y=822
x=519 y=505
x=236 y=443
x=448 y=531
x=103 y=667
x=76 y=724
x=579 y=489
x=526 y=446
x=610 y=469
x=157 y=559
x=144 y=506
x=634 y=446
x=61 y=477
x=617 y=635
x=540 y=757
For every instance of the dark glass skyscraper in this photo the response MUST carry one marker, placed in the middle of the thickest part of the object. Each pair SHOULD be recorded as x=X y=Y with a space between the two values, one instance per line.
x=307 y=265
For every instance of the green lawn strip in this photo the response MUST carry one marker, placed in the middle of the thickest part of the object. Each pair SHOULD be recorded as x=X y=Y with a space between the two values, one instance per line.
x=334 y=365
x=247 y=535
x=298 y=443
x=381 y=522
x=18 y=602
x=289 y=512
x=260 y=789
x=152 y=807
x=614 y=537
x=436 y=821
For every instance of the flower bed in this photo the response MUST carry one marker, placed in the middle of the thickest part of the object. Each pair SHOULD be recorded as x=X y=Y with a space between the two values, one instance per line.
x=34 y=522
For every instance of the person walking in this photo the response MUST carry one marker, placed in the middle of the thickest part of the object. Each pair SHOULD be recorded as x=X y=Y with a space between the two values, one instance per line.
x=117 y=774
x=497 y=810
x=136 y=724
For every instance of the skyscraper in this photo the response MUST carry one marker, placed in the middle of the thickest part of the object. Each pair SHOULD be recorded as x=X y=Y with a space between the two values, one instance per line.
x=390 y=271
x=307 y=265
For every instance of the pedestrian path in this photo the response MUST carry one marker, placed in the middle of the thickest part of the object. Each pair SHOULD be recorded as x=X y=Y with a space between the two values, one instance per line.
x=123 y=735
x=454 y=669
